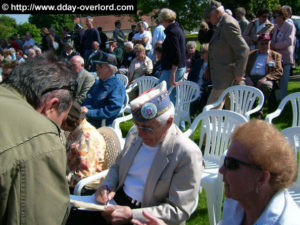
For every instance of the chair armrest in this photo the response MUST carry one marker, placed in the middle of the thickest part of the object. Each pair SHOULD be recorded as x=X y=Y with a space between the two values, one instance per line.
x=116 y=124
x=83 y=182
x=273 y=115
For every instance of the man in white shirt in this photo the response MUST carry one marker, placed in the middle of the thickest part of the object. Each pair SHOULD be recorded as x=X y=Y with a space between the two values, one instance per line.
x=143 y=37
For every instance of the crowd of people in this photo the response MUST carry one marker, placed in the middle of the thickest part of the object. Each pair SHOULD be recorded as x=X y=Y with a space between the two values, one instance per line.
x=56 y=94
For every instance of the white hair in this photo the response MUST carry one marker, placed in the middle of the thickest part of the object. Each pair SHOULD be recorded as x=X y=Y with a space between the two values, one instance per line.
x=229 y=12
x=12 y=50
x=221 y=9
x=191 y=43
x=128 y=44
x=90 y=18
x=163 y=118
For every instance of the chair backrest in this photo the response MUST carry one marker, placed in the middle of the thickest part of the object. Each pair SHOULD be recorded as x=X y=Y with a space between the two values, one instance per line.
x=113 y=146
x=186 y=92
x=242 y=100
x=292 y=134
x=294 y=99
x=123 y=79
x=218 y=126
x=144 y=83
x=116 y=127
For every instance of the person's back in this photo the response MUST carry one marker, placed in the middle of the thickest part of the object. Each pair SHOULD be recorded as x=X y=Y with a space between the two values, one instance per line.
x=29 y=149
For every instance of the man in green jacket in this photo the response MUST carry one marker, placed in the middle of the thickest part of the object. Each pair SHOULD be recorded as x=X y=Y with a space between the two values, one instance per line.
x=34 y=100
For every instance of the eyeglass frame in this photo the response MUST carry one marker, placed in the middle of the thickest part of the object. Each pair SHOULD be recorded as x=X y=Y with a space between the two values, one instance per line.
x=237 y=163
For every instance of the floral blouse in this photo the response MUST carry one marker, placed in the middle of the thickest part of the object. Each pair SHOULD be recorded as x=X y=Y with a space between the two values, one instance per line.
x=85 y=152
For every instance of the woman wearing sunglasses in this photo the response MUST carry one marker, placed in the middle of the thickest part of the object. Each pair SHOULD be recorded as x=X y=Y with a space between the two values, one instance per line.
x=259 y=166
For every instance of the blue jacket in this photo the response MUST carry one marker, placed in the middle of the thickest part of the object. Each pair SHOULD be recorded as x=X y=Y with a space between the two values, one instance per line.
x=105 y=100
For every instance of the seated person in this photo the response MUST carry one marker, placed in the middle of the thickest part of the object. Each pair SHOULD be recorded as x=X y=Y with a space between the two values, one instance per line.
x=197 y=75
x=158 y=171
x=157 y=70
x=259 y=167
x=115 y=50
x=128 y=56
x=85 y=147
x=141 y=65
x=106 y=97
x=85 y=80
x=69 y=51
x=191 y=54
x=96 y=55
x=264 y=68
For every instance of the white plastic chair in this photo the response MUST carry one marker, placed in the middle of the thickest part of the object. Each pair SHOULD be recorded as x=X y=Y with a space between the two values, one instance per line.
x=242 y=100
x=116 y=127
x=144 y=83
x=186 y=92
x=295 y=102
x=292 y=134
x=123 y=79
x=219 y=124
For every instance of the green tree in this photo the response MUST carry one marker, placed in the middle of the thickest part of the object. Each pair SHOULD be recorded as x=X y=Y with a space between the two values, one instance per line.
x=57 y=21
x=31 y=28
x=8 y=26
x=189 y=13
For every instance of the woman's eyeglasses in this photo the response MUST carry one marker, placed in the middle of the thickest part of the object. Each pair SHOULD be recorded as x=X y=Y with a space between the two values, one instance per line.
x=233 y=164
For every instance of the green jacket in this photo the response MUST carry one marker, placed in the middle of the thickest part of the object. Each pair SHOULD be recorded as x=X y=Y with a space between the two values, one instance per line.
x=33 y=186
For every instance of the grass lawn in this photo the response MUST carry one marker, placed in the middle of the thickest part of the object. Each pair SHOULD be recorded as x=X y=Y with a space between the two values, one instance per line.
x=200 y=216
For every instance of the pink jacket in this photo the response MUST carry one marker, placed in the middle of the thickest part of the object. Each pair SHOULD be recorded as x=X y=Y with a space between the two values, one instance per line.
x=284 y=39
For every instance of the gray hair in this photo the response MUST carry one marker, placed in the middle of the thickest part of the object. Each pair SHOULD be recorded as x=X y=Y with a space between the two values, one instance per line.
x=288 y=9
x=163 y=118
x=41 y=78
x=191 y=43
x=128 y=44
x=166 y=15
x=90 y=18
x=241 y=10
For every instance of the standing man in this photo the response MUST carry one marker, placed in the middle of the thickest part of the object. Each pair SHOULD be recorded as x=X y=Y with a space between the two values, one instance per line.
x=78 y=38
x=34 y=101
x=240 y=14
x=106 y=98
x=119 y=35
x=85 y=80
x=90 y=35
x=228 y=51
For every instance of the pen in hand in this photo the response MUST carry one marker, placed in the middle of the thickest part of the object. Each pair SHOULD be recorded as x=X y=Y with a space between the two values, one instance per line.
x=107 y=193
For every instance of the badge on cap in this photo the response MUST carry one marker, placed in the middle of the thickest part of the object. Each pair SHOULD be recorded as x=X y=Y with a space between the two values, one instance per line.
x=149 y=110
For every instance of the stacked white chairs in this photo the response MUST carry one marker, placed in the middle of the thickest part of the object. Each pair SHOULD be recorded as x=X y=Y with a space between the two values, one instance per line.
x=292 y=134
x=186 y=93
x=219 y=125
x=123 y=78
x=242 y=100
x=294 y=99
x=113 y=148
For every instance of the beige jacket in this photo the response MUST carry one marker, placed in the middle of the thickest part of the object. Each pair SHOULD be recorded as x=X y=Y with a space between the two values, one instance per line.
x=173 y=181
x=228 y=53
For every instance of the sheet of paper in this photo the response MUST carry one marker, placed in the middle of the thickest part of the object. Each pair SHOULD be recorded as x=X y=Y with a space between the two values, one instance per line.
x=88 y=202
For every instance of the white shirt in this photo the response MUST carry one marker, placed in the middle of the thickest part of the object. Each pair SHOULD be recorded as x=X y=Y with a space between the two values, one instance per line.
x=259 y=67
x=146 y=33
x=137 y=175
x=281 y=210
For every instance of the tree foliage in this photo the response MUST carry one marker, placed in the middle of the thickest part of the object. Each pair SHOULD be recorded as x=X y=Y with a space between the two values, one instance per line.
x=8 y=26
x=57 y=21
x=31 y=28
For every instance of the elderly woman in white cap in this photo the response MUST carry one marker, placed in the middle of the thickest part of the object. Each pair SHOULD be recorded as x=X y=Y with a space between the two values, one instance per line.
x=143 y=36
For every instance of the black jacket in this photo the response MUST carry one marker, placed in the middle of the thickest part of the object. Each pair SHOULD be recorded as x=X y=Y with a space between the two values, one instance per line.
x=173 y=47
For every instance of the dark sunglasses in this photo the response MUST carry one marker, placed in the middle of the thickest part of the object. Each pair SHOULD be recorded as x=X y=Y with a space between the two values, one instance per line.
x=233 y=164
x=71 y=87
x=147 y=129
